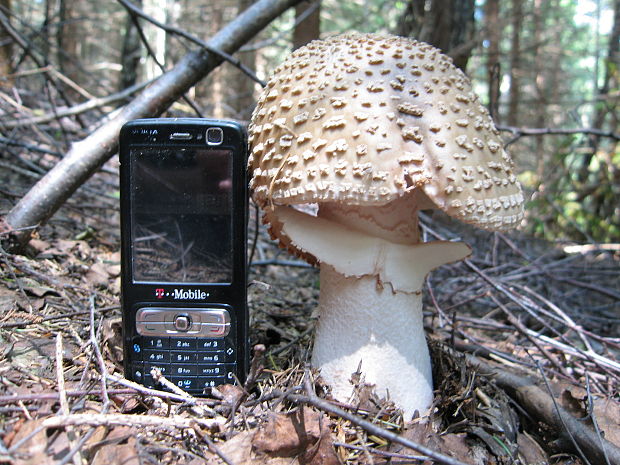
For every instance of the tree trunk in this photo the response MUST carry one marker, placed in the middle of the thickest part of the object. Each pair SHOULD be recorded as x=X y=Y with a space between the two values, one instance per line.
x=69 y=42
x=131 y=52
x=308 y=19
x=541 y=97
x=491 y=9
x=514 y=94
x=6 y=48
x=86 y=156
x=610 y=81
x=244 y=88
x=155 y=36
x=446 y=24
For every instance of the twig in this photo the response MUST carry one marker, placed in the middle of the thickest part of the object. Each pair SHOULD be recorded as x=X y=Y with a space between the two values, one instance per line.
x=520 y=132
x=382 y=453
x=152 y=392
x=151 y=53
x=212 y=447
x=76 y=109
x=56 y=396
x=102 y=368
x=523 y=330
x=559 y=413
x=540 y=405
x=174 y=30
x=592 y=356
x=372 y=428
x=592 y=416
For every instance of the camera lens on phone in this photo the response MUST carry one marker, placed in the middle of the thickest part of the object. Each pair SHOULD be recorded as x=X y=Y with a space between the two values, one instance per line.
x=215 y=136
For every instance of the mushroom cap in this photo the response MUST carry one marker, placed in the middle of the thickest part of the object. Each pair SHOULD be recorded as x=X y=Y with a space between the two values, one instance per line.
x=365 y=119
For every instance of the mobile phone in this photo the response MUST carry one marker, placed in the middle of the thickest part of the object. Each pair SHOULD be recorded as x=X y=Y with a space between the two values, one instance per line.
x=183 y=189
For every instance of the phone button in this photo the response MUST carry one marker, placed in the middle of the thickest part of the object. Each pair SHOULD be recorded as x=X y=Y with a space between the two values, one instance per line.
x=163 y=367
x=183 y=357
x=183 y=343
x=183 y=370
x=137 y=372
x=156 y=356
x=214 y=330
x=155 y=342
x=182 y=323
x=213 y=315
x=210 y=345
x=204 y=382
x=150 y=328
x=212 y=370
x=211 y=357
x=188 y=383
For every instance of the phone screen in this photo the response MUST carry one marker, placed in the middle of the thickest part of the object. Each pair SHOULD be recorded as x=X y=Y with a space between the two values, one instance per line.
x=181 y=214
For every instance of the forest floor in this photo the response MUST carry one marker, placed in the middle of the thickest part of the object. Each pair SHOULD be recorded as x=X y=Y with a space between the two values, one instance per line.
x=522 y=330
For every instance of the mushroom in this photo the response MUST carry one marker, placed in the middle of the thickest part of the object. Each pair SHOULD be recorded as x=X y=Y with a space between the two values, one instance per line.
x=372 y=129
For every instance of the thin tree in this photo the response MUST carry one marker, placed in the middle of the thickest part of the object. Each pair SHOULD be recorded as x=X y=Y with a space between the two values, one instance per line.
x=308 y=22
x=514 y=93
x=446 y=24
x=492 y=26
x=6 y=47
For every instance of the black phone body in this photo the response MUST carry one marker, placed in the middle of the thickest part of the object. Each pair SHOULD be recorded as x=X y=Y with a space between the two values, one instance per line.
x=184 y=194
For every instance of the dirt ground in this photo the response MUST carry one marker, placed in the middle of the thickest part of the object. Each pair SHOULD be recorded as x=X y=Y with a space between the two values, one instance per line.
x=521 y=331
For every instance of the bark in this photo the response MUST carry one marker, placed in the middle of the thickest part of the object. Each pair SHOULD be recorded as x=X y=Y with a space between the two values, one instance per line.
x=308 y=18
x=6 y=48
x=446 y=24
x=610 y=80
x=244 y=88
x=130 y=53
x=540 y=106
x=539 y=404
x=491 y=10
x=514 y=94
x=69 y=42
x=86 y=156
x=155 y=37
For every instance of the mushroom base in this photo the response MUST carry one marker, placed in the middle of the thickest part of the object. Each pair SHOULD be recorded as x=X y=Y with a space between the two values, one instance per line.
x=365 y=325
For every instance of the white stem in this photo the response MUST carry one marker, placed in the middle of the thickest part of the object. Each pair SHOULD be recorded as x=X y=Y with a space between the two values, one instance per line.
x=370 y=309
x=382 y=329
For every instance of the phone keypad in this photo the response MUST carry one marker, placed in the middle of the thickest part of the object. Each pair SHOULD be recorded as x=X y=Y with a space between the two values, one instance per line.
x=193 y=364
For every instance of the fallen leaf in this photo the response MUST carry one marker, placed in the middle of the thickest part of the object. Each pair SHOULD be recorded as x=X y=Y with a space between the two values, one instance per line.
x=530 y=451
x=112 y=454
x=230 y=393
x=7 y=300
x=97 y=275
x=287 y=435
x=238 y=450
x=113 y=339
x=303 y=432
x=451 y=444
x=34 y=450
x=607 y=414
x=32 y=287
x=39 y=245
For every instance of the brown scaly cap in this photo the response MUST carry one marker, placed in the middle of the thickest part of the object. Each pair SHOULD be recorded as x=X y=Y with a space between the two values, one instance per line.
x=364 y=119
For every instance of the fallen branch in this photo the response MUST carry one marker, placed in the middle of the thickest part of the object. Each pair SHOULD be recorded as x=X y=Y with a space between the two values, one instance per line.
x=372 y=428
x=87 y=155
x=76 y=109
x=541 y=405
x=521 y=132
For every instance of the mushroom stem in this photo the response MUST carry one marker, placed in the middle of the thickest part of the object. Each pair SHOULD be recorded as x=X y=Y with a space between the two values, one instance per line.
x=367 y=322
x=364 y=323
x=370 y=308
